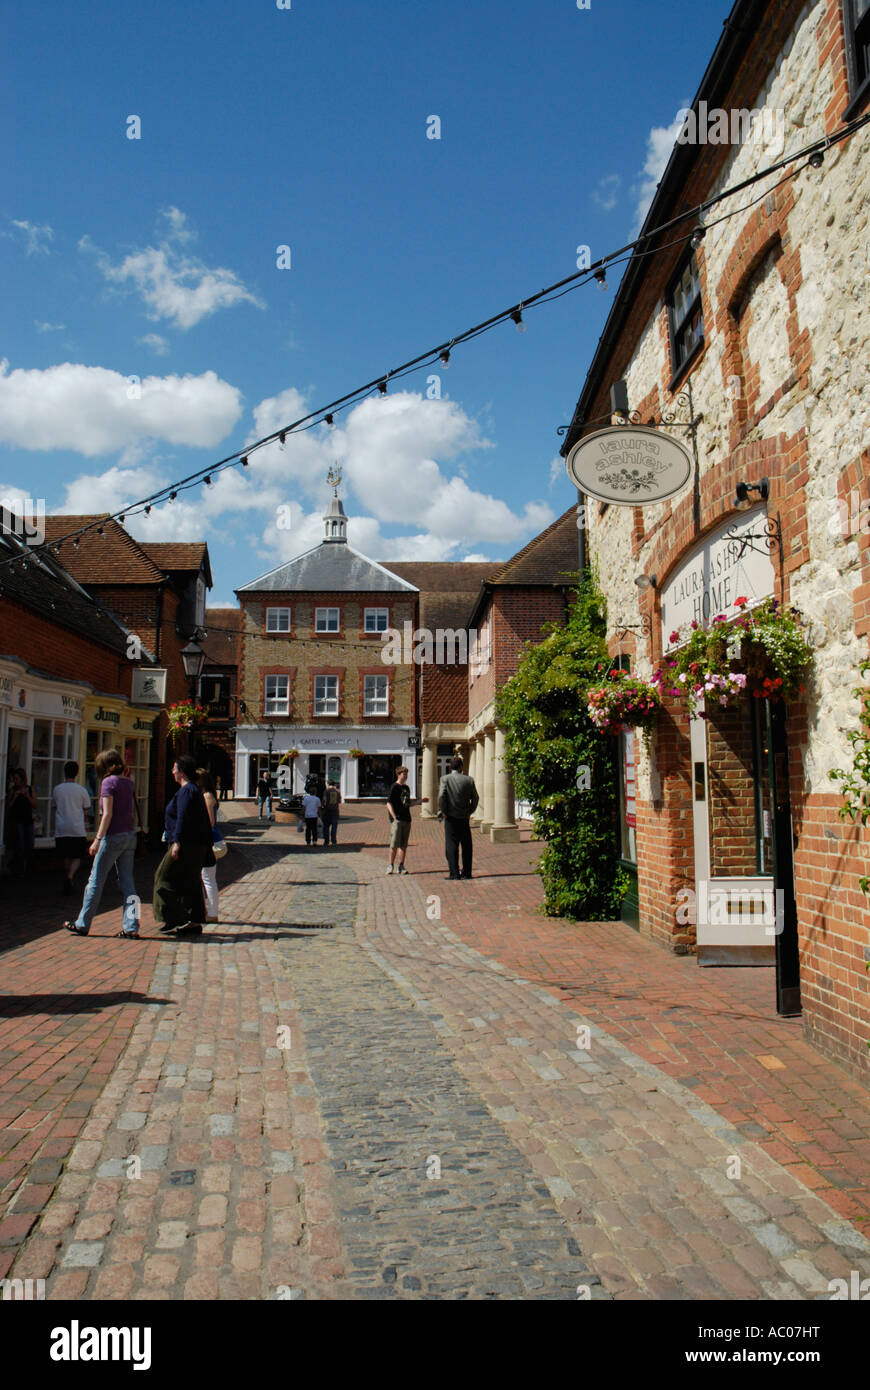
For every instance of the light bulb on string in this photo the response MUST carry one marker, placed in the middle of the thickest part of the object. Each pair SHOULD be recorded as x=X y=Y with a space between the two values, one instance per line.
x=382 y=387
x=281 y=439
x=244 y=462
x=444 y=358
x=517 y=316
x=601 y=277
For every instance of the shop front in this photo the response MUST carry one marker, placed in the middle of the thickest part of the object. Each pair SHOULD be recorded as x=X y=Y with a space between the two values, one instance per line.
x=113 y=723
x=40 y=726
x=363 y=761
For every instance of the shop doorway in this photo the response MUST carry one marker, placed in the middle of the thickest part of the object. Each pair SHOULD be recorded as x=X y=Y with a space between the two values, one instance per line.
x=377 y=773
x=744 y=874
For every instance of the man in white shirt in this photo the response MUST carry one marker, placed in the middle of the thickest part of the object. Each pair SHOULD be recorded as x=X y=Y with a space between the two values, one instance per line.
x=70 y=835
x=310 y=810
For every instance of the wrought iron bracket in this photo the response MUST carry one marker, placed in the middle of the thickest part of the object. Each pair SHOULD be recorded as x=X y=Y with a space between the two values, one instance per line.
x=621 y=630
x=762 y=542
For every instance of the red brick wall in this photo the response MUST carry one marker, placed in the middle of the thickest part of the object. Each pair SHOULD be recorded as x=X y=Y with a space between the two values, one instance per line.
x=731 y=792
x=665 y=837
x=58 y=652
x=516 y=616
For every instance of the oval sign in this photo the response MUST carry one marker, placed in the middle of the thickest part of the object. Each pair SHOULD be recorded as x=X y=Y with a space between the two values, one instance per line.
x=629 y=465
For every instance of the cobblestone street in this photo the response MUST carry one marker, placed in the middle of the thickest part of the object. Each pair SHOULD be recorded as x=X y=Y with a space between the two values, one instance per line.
x=363 y=1086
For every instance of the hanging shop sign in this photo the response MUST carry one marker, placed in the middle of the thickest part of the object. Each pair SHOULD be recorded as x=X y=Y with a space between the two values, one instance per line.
x=629 y=465
x=149 y=685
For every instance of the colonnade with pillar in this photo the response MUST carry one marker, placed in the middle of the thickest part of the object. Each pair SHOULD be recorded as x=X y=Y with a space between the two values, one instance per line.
x=484 y=756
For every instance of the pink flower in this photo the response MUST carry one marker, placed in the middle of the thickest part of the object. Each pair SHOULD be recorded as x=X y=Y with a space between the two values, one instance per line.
x=740 y=602
x=674 y=637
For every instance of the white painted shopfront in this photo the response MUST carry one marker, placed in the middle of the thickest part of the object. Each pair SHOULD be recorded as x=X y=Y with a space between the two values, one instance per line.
x=328 y=752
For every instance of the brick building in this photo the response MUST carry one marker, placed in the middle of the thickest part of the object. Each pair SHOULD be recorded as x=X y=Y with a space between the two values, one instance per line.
x=757 y=323
x=518 y=597
x=63 y=661
x=219 y=691
x=158 y=593
x=313 y=678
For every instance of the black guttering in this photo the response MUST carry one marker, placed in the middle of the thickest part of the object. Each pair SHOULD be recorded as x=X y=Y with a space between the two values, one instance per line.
x=744 y=20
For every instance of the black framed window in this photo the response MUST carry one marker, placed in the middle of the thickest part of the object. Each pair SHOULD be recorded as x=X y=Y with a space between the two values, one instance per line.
x=856 y=23
x=685 y=315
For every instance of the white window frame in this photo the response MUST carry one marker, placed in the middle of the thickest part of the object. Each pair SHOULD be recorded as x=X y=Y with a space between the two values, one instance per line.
x=276 y=704
x=317 y=613
x=370 y=700
x=269 y=615
x=375 y=613
x=322 y=700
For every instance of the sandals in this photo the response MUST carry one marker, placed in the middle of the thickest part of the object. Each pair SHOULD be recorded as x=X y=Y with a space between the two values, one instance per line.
x=71 y=926
x=128 y=935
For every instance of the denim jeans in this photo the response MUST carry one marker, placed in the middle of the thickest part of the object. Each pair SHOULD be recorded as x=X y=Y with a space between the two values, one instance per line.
x=118 y=852
x=267 y=802
x=329 y=816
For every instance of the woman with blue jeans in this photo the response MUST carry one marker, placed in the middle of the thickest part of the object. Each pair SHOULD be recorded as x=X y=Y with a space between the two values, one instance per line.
x=113 y=847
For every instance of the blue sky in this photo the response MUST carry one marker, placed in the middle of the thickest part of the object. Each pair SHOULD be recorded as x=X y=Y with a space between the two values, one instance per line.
x=261 y=127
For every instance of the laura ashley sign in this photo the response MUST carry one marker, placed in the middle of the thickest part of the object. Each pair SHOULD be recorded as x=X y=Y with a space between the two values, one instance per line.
x=711 y=578
x=629 y=465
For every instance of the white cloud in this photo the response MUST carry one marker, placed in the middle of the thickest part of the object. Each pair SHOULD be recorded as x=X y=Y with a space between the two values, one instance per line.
x=607 y=191
x=659 y=144
x=172 y=285
x=156 y=342
x=90 y=409
x=48 y=327
x=36 y=237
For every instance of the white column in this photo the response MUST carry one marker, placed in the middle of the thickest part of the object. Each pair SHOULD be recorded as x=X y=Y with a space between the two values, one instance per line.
x=488 y=781
x=430 y=781
x=475 y=770
x=504 y=826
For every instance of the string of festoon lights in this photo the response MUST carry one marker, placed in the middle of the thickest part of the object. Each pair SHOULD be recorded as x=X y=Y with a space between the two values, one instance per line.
x=809 y=156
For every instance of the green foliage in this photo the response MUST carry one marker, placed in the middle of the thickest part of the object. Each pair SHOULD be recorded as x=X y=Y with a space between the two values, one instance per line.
x=562 y=766
x=855 y=784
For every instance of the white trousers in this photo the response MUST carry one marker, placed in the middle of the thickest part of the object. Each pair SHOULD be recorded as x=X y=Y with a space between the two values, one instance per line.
x=209 y=883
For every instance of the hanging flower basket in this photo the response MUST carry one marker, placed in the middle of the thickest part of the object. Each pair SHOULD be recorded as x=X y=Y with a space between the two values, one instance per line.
x=288 y=757
x=356 y=753
x=765 y=652
x=622 y=701
x=185 y=716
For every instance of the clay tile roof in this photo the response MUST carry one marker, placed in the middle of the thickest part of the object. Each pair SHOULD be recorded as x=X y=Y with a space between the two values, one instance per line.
x=178 y=555
x=448 y=588
x=549 y=558
x=111 y=558
x=45 y=587
x=222 y=640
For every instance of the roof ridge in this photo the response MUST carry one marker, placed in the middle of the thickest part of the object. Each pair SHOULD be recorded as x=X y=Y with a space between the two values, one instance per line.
x=530 y=545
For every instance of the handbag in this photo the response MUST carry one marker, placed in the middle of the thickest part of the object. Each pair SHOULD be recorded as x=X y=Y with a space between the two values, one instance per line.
x=219 y=844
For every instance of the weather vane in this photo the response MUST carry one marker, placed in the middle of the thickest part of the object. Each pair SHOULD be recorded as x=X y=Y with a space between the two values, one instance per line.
x=333 y=477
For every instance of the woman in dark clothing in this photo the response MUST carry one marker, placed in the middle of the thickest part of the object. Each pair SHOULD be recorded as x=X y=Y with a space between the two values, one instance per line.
x=179 y=904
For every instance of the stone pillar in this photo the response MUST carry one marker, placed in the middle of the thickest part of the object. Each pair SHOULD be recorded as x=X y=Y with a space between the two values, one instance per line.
x=504 y=826
x=488 y=780
x=475 y=770
x=430 y=781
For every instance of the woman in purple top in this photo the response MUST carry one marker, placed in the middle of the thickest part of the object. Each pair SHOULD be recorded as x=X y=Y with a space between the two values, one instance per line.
x=114 y=846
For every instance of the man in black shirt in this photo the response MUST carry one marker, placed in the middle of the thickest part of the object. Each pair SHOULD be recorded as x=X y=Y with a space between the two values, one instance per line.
x=399 y=812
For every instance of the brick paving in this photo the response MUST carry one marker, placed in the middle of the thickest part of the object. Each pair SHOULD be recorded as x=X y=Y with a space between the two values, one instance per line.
x=255 y=1114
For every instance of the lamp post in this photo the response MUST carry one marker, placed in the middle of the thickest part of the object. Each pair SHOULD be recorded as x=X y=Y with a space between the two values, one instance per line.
x=270 y=734
x=193 y=660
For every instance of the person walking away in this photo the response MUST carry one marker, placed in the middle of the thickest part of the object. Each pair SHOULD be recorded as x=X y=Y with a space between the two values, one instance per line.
x=70 y=834
x=179 y=902
x=264 y=796
x=329 y=812
x=457 y=802
x=311 y=810
x=20 y=830
x=399 y=812
x=113 y=846
x=209 y=871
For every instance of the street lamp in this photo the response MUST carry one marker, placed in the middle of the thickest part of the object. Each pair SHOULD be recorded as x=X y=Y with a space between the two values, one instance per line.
x=193 y=659
x=270 y=734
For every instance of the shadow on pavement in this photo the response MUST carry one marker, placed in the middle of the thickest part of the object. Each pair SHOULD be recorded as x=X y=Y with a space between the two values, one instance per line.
x=11 y=1004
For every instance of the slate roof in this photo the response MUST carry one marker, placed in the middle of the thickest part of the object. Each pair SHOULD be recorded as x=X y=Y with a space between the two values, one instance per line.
x=328 y=568
x=111 y=558
x=46 y=588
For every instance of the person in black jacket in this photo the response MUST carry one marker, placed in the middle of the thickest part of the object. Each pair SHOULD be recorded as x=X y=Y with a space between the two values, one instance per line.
x=179 y=904
x=457 y=801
